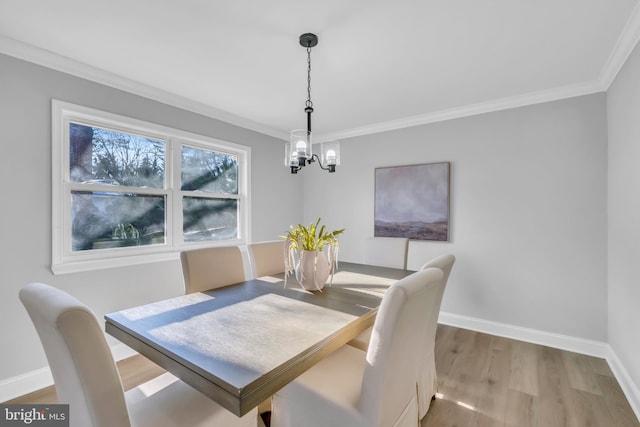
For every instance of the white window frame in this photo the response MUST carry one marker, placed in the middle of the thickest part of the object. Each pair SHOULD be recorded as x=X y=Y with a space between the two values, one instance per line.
x=64 y=260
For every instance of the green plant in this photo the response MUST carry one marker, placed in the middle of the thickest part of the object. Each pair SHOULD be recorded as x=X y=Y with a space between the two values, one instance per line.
x=315 y=239
x=311 y=238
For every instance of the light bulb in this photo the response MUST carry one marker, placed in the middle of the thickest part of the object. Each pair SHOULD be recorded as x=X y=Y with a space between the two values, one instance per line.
x=301 y=146
x=331 y=157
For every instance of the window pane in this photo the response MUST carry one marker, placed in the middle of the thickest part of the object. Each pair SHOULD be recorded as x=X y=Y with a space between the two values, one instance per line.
x=209 y=219
x=109 y=157
x=109 y=220
x=209 y=171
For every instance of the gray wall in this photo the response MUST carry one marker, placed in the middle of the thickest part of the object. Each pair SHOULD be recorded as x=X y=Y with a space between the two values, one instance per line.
x=528 y=207
x=26 y=91
x=624 y=216
x=528 y=210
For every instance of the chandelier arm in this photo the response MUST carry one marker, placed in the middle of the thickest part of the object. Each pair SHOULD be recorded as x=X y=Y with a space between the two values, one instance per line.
x=319 y=162
x=330 y=168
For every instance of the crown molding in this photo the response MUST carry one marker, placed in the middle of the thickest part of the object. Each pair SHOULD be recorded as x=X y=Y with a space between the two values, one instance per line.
x=70 y=66
x=624 y=46
x=507 y=103
x=628 y=39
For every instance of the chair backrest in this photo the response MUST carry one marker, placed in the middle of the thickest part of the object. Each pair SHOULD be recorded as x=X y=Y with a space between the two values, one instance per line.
x=443 y=262
x=84 y=372
x=427 y=372
x=389 y=383
x=211 y=268
x=386 y=251
x=266 y=257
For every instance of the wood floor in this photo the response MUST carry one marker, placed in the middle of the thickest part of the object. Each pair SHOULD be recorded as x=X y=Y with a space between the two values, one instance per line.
x=488 y=381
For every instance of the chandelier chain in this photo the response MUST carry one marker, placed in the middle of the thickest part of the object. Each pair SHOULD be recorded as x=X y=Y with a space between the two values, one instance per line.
x=309 y=103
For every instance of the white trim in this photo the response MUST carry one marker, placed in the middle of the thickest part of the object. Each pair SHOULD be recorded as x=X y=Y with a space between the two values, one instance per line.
x=92 y=265
x=64 y=260
x=507 y=103
x=629 y=388
x=629 y=37
x=625 y=44
x=549 y=339
x=66 y=65
x=26 y=383
x=38 y=379
x=627 y=41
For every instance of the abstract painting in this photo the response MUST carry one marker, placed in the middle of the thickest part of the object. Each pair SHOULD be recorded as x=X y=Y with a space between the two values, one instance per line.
x=412 y=201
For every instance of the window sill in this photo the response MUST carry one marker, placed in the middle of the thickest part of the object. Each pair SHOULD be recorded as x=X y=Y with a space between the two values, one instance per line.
x=99 y=264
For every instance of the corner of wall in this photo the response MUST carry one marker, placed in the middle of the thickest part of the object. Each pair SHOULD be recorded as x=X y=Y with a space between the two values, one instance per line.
x=629 y=388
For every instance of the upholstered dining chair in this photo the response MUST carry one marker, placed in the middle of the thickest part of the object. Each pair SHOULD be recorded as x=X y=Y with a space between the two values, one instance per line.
x=427 y=378
x=386 y=251
x=86 y=376
x=376 y=388
x=266 y=258
x=211 y=268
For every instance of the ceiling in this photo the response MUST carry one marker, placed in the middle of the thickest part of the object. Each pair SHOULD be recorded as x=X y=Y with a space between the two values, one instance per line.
x=378 y=65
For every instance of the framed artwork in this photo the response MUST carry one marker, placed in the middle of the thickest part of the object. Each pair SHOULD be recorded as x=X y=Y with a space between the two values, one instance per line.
x=412 y=201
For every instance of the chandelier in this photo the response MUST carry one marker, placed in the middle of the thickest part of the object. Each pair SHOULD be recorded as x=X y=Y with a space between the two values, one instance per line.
x=299 y=149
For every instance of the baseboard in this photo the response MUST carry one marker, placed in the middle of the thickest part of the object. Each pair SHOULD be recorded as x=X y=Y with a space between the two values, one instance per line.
x=25 y=383
x=29 y=382
x=549 y=339
x=629 y=388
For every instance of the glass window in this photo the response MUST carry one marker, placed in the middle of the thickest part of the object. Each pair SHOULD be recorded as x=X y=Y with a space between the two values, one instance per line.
x=209 y=219
x=209 y=171
x=110 y=157
x=126 y=190
x=102 y=220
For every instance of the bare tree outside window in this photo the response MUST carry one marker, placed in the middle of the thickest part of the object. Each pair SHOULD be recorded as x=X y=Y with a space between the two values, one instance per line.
x=215 y=173
x=126 y=191
x=111 y=218
x=116 y=158
x=209 y=171
x=115 y=217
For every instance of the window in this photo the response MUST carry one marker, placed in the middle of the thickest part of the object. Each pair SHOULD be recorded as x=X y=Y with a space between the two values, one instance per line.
x=128 y=192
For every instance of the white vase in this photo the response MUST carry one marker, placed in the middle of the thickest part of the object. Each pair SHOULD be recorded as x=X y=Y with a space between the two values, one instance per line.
x=312 y=270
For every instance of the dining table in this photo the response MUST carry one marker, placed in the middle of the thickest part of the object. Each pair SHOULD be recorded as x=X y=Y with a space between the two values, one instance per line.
x=240 y=344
